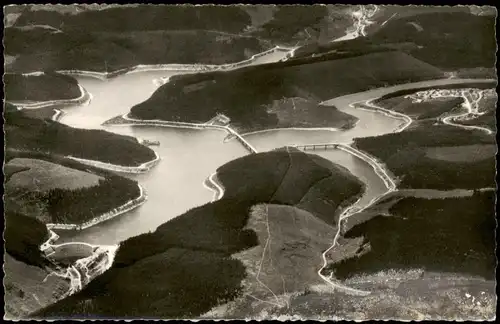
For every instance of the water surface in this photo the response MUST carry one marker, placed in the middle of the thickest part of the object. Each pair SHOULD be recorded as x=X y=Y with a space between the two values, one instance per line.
x=189 y=156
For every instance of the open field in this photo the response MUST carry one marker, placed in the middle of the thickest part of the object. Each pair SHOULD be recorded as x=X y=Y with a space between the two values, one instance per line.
x=466 y=153
x=300 y=112
x=396 y=295
x=73 y=205
x=421 y=110
x=25 y=288
x=44 y=176
x=409 y=295
x=288 y=256
x=10 y=170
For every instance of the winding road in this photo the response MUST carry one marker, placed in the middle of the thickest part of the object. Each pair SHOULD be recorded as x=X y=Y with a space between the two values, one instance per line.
x=85 y=269
x=472 y=98
x=362 y=100
x=472 y=106
x=361 y=18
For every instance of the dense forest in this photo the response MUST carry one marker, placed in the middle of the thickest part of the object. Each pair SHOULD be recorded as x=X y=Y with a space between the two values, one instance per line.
x=32 y=134
x=187 y=266
x=244 y=93
x=23 y=236
x=58 y=159
x=184 y=268
x=98 y=40
x=471 y=38
x=405 y=155
x=231 y=19
x=112 y=51
x=290 y=20
x=81 y=205
x=459 y=237
x=51 y=141
x=49 y=86
x=426 y=36
x=294 y=179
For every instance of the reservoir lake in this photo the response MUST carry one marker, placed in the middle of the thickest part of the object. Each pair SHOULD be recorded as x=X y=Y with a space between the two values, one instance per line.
x=189 y=156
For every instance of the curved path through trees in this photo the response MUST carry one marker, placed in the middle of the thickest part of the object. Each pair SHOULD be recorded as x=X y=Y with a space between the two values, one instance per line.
x=472 y=98
x=380 y=168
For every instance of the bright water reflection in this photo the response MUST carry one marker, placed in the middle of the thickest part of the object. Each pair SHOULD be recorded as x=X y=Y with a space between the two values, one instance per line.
x=190 y=156
x=176 y=183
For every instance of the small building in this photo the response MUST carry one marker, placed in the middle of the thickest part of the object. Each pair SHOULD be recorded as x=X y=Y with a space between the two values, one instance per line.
x=223 y=119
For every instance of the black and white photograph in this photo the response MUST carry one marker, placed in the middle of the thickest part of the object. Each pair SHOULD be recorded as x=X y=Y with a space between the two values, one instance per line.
x=250 y=162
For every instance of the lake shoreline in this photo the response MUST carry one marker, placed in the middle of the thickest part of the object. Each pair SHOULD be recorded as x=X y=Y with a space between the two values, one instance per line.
x=128 y=206
x=213 y=184
x=84 y=98
x=348 y=210
x=124 y=120
x=171 y=66
x=144 y=167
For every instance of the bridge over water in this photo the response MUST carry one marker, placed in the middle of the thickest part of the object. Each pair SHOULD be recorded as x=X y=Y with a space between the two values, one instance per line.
x=317 y=147
x=124 y=119
x=376 y=165
x=243 y=142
